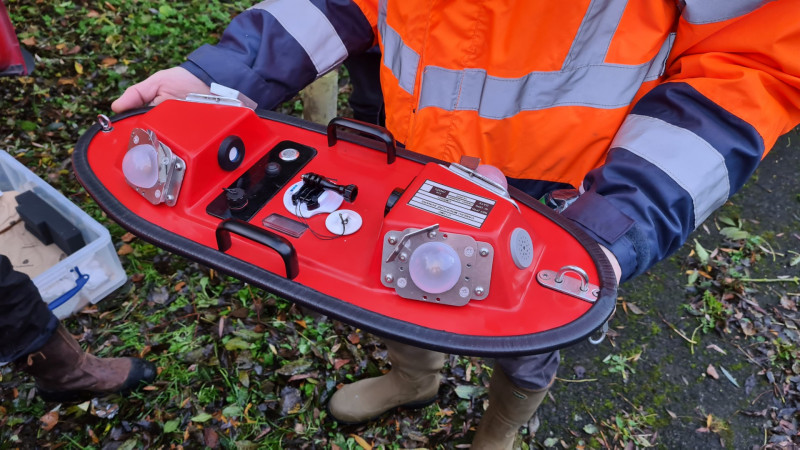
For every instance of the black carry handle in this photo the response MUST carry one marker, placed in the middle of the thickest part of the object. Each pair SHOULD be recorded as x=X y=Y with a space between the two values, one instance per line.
x=264 y=237
x=368 y=129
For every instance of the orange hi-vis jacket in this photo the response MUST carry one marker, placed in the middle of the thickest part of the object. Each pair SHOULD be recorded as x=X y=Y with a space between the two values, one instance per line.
x=658 y=109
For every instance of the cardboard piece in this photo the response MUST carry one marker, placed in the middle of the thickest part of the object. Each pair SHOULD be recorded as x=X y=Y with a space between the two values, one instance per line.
x=27 y=253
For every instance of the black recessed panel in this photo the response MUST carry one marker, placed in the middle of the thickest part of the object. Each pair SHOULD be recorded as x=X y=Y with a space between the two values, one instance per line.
x=262 y=181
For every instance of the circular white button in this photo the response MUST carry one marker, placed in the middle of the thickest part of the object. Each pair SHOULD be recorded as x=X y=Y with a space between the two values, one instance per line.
x=288 y=154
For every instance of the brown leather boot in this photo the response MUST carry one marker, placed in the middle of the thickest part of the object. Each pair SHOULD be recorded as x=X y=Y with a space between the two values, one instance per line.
x=413 y=382
x=64 y=372
x=510 y=407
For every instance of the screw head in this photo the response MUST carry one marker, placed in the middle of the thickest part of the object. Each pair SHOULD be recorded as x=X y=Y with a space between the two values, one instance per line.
x=479 y=290
x=392 y=240
x=431 y=234
x=403 y=256
x=484 y=251
x=388 y=278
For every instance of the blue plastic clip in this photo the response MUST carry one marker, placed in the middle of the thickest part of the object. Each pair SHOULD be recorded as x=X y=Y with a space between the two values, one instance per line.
x=79 y=283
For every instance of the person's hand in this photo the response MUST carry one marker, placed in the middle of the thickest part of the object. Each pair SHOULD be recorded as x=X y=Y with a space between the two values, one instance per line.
x=176 y=82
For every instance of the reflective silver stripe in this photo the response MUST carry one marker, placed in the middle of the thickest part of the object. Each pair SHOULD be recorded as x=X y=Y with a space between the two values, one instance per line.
x=688 y=159
x=604 y=86
x=594 y=36
x=312 y=30
x=710 y=11
x=398 y=57
x=659 y=63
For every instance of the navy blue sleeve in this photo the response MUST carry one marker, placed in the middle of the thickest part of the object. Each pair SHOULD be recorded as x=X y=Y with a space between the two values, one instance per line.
x=676 y=159
x=276 y=48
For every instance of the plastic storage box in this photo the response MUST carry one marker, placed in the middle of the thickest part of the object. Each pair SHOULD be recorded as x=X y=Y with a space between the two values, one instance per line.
x=87 y=275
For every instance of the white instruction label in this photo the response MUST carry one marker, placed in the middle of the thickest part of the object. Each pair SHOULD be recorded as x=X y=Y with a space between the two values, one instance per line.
x=452 y=204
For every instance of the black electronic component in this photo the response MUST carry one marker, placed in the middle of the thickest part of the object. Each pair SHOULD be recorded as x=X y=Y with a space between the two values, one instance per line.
x=273 y=169
x=47 y=224
x=236 y=198
x=314 y=185
x=231 y=153
x=260 y=183
x=393 y=198
x=347 y=192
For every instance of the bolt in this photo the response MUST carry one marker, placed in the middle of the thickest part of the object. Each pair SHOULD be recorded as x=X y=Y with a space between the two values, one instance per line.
x=170 y=198
x=479 y=290
x=389 y=278
x=178 y=165
x=392 y=240
x=431 y=234
x=403 y=256
x=484 y=251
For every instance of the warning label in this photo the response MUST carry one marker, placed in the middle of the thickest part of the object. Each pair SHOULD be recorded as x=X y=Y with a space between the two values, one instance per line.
x=452 y=204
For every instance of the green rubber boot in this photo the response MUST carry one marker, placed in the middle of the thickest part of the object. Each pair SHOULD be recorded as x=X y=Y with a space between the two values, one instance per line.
x=510 y=407
x=413 y=382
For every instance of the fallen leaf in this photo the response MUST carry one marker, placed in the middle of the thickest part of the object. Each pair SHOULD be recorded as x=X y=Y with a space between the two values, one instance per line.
x=202 y=417
x=128 y=237
x=787 y=303
x=30 y=42
x=353 y=338
x=210 y=437
x=360 y=441
x=125 y=249
x=635 y=309
x=108 y=62
x=729 y=376
x=49 y=420
x=78 y=68
x=716 y=348
x=339 y=363
x=137 y=277
x=712 y=372
x=672 y=414
x=179 y=286
x=747 y=327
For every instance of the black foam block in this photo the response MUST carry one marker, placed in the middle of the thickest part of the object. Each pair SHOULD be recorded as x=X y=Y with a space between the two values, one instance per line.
x=48 y=224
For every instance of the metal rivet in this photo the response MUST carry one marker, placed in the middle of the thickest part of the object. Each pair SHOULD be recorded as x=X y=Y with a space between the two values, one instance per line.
x=431 y=234
x=392 y=240
x=389 y=278
x=484 y=251
x=170 y=197
x=479 y=290
x=403 y=256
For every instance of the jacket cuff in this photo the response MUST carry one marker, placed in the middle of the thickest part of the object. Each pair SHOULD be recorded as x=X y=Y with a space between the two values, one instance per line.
x=609 y=226
x=195 y=70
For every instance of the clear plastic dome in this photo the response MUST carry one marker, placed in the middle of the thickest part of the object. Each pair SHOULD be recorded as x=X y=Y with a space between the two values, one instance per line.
x=140 y=166
x=434 y=267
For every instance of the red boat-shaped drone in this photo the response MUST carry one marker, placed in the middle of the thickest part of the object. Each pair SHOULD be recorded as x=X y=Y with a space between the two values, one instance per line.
x=409 y=248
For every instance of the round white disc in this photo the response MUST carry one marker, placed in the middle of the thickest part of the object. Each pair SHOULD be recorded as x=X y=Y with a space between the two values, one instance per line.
x=352 y=222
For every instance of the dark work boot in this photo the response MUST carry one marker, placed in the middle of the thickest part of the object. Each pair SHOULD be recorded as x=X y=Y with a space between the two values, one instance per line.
x=64 y=372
